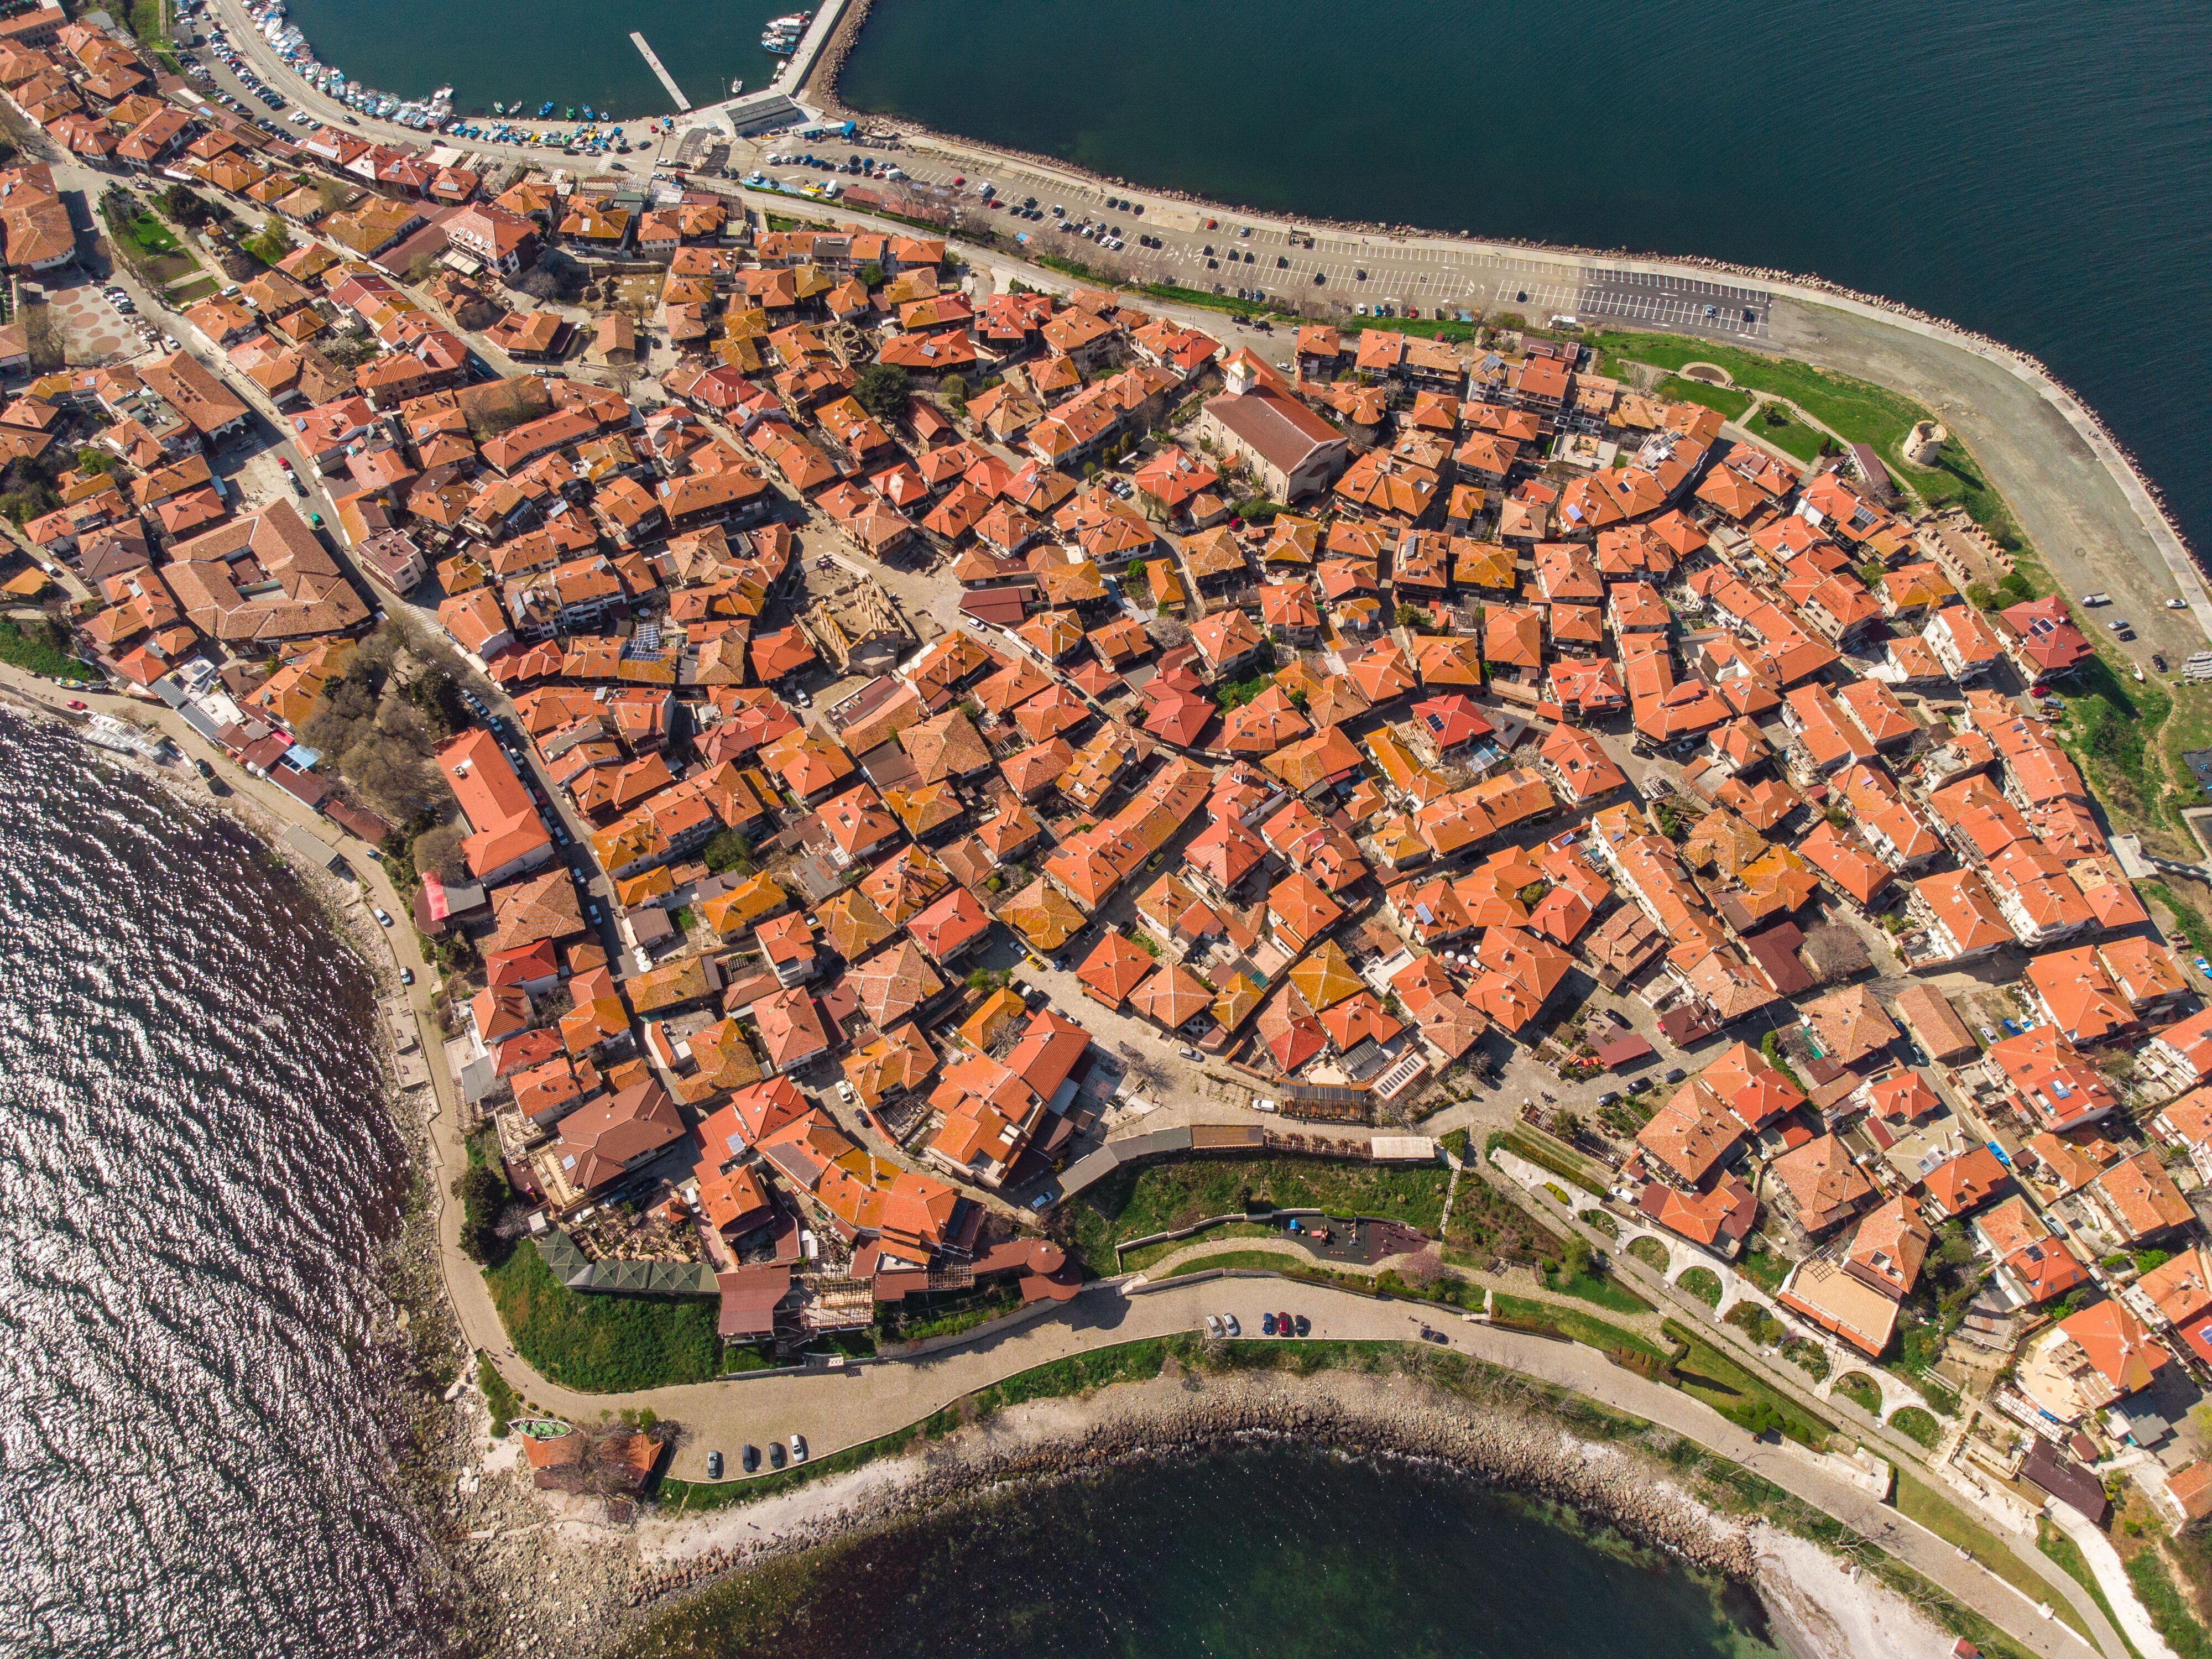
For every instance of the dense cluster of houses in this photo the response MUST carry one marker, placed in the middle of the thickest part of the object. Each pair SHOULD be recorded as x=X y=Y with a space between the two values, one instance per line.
x=1292 y=710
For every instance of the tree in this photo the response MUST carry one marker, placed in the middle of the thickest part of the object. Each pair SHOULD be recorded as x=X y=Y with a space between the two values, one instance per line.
x=729 y=850
x=437 y=852
x=187 y=208
x=871 y=275
x=883 y=389
x=1413 y=617
x=555 y=276
x=483 y=1193
x=272 y=242
x=1576 y=1260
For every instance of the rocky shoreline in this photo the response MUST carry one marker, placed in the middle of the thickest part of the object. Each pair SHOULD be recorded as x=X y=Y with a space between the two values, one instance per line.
x=567 y=1585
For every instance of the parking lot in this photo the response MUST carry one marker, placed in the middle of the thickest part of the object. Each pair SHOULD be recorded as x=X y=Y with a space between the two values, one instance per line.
x=93 y=327
x=1666 y=301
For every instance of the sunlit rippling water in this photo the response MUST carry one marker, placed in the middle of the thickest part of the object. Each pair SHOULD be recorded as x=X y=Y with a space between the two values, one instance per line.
x=196 y=1175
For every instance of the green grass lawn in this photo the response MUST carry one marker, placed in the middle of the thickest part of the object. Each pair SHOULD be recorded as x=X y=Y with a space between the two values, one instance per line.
x=40 y=648
x=1158 y=1197
x=2162 y=1599
x=1754 y=1321
x=2066 y=1555
x=148 y=234
x=1138 y=1261
x=1605 y=1291
x=1583 y=1327
x=1711 y=1375
x=1703 y=1284
x=1915 y=1424
x=1922 y=1503
x=502 y=1402
x=2109 y=722
x=599 y=1343
x=1764 y=1268
x=1265 y=1261
x=1789 y=435
x=960 y=1313
x=2187 y=919
x=1727 y=399
x=1545 y=1153
x=1427 y=328
x=1862 y=1391
x=1650 y=1251
x=1856 y=411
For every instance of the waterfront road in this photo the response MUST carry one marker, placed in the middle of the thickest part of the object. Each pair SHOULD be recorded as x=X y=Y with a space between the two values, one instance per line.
x=837 y=1410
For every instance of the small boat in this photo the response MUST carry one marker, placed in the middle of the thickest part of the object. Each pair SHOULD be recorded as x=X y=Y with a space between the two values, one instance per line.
x=545 y=109
x=499 y=109
x=588 y=116
x=737 y=87
x=569 y=113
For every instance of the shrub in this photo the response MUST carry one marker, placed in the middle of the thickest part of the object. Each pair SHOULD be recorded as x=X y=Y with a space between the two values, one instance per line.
x=1703 y=1284
x=883 y=389
x=483 y=1192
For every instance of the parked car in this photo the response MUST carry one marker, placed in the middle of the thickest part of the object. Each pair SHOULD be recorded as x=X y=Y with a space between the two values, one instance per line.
x=798 y=1449
x=383 y=917
x=406 y=975
x=776 y=1458
x=1304 y=1325
x=713 y=1465
x=1437 y=1337
x=748 y=1459
x=1190 y=1054
x=2177 y=604
x=1285 y=1325
x=1229 y=1320
x=1266 y=1324
x=1214 y=1327
x=78 y=703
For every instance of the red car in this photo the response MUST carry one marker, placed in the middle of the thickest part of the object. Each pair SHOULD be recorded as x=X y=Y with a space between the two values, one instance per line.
x=282 y=462
x=76 y=702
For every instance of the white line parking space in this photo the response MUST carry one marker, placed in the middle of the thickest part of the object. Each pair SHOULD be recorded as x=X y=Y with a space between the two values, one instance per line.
x=1678 y=302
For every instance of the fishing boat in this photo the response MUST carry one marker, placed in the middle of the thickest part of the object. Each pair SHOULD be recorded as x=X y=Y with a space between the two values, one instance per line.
x=781 y=34
x=545 y=109
x=737 y=87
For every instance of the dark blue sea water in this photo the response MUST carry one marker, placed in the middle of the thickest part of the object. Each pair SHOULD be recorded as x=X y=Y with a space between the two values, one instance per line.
x=530 y=50
x=1276 y=1554
x=2040 y=170
x=197 y=1173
